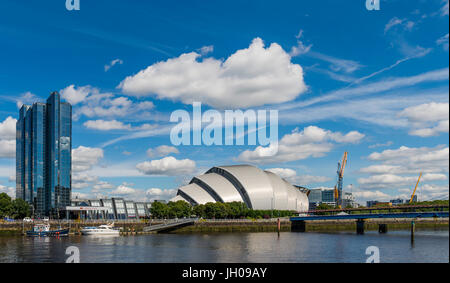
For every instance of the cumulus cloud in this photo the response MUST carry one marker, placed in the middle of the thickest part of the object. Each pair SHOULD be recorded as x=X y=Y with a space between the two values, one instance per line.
x=123 y=189
x=83 y=158
x=8 y=138
x=206 y=50
x=94 y=103
x=159 y=194
x=292 y=177
x=250 y=77
x=167 y=166
x=429 y=119
x=83 y=180
x=112 y=64
x=311 y=142
x=103 y=125
x=162 y=150
x=10 y=191
x=401 y=167
x=75 y=95
x=26 y=98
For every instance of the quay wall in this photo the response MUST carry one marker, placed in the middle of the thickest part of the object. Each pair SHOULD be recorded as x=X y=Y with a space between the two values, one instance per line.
x=239 y=225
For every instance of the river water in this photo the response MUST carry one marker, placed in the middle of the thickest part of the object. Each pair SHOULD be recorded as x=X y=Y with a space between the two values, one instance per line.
x=395 y=246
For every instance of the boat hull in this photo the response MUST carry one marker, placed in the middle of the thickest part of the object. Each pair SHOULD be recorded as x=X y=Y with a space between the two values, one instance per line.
x=52 y=233
x=96 y=233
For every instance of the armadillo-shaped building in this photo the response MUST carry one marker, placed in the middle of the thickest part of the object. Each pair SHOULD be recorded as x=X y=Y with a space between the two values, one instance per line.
x=257 y=188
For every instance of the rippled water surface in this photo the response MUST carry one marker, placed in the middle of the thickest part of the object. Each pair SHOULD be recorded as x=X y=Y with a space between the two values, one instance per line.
x=395 y=246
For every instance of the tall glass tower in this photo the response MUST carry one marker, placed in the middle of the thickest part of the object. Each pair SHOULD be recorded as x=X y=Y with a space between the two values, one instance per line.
x=44 y=155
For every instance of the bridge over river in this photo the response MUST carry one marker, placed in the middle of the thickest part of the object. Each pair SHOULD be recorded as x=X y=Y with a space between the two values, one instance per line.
x=408 y=212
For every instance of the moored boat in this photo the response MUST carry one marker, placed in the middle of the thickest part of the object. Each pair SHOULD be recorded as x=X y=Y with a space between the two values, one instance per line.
x=43 y=230
x=100 y=230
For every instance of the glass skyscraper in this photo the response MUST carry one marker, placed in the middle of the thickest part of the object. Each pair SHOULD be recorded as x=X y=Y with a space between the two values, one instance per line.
x=44 y=155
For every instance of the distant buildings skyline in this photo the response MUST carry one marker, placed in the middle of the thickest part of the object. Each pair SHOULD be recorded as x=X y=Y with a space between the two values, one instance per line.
x=44 y=154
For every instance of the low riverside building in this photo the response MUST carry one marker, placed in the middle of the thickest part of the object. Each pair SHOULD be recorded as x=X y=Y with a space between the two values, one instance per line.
x=258 y=189
x=109 y=209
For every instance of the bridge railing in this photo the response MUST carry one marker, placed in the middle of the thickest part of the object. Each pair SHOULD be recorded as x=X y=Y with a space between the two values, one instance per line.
x=378 y=209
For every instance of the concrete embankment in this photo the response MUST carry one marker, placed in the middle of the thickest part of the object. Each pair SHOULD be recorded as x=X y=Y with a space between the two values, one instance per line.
x=243 y=225
x=209 y=226
x=19 y=228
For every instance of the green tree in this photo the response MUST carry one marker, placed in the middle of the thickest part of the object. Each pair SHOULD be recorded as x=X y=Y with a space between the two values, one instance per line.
x=199 y=210
x=159 y=210
x=20 y=209
x=179 y=209
x=6 y=207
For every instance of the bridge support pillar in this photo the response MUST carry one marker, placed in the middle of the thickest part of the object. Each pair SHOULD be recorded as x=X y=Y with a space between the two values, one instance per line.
x=298 y=226
x=382 y=228
x=413 y=230
x=360 y=226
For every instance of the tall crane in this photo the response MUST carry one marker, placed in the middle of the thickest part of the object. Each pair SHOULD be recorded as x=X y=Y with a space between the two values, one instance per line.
x=414 y=192
x=340 y=181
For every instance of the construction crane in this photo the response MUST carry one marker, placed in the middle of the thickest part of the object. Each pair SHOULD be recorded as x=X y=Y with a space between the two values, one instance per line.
x=414 y=192
x=339 y=185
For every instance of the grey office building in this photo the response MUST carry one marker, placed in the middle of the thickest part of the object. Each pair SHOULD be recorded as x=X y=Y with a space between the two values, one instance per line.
x=44 y=155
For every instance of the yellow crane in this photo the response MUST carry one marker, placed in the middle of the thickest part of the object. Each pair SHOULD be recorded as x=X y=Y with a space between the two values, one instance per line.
x=414 y=192
x=339 y=185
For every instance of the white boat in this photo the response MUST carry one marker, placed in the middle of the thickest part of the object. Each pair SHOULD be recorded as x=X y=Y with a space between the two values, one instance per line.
x=100 y=230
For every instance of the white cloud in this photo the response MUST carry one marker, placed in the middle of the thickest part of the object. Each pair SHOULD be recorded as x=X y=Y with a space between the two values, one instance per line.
x=444 y=9
x=337 y=64
x=401 y=167
x=83 y=180
x=8 y=138
x=103 y=125
x=394 y=181
x=75 y=95
x=443 y=41
x=371 y=195
x=428 y=119
x=159 y=194
x=94 y=103
x=301 y=48
x=311 y=142
x=8 y=129
x=250 y=77
x=167 y=166
x=112 y=63
x=123 y=190
x=10 y=191
x=83 y=158
x=292 y=177
x=161 y=151
x=26 y=98
x=389 y=143
x=206 y=50
x=102 y=185
x=404 y=23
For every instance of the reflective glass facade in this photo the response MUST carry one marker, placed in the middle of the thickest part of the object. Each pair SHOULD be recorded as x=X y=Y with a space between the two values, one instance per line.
x=43 y=155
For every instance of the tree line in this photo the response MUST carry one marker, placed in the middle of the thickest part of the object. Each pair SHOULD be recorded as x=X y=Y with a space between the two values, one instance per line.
x=218 y=210
x=16 y=209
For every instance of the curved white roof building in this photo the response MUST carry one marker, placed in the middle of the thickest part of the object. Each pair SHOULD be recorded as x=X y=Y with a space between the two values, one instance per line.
x=256 y=188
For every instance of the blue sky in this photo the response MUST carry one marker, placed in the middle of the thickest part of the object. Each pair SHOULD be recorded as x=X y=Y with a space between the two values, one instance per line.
x=373 y=83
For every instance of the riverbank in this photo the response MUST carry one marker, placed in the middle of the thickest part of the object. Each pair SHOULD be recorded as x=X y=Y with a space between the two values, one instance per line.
x=212 y=226
x=244 y=225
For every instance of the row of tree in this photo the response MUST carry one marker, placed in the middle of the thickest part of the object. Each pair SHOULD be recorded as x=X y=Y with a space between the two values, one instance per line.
x=17 y=209
x=229 y=210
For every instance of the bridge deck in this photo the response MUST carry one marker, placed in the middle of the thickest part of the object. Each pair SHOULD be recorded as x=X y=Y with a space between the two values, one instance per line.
x=169 y=225
x=367 y=216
